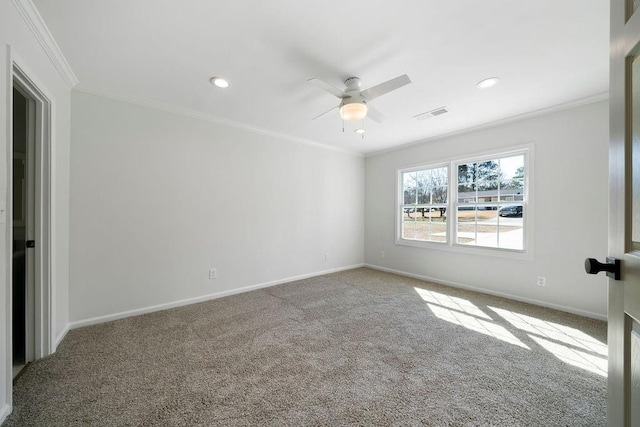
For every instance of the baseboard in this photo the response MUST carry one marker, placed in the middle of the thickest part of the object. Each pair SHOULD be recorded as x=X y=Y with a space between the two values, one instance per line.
x=5 y=411
x=150 y=309
x=571 y=310
x=61 y=337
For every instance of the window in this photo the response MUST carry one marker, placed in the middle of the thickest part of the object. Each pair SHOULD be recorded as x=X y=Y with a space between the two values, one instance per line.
x=490 y=203
x=424 y=193
x=484 y=207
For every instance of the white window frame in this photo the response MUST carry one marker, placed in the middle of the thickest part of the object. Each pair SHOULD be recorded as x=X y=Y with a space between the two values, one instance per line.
x=400 y=208
x=451 y=245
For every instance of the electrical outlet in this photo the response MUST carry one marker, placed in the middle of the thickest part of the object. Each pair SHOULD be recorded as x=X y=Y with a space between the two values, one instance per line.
x=213 y=273
x=381 y=254
x=542 y=281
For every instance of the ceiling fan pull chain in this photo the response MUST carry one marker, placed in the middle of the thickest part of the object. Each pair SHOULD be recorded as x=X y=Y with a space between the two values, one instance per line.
x=362 y=129
x=342 y=125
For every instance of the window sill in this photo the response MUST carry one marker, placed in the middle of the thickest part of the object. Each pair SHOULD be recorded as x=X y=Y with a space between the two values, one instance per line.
x=467 y=249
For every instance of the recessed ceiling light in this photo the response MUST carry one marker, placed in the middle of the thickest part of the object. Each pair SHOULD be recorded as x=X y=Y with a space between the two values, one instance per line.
x=487 y=83
x=359 y=131
x=219 y=82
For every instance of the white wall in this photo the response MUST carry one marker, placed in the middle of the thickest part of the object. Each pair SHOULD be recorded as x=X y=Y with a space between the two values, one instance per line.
x=569 y=216
x=16 y=35
x=158 y=198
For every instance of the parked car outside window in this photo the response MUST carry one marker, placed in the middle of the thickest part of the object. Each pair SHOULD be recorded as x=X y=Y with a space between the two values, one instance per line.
x=515 y=210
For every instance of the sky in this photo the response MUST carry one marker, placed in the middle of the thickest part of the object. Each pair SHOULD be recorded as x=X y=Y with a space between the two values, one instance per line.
x=509 y=165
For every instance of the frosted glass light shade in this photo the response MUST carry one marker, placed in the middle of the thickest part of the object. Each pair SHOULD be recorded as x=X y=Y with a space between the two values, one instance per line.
x=353 y=111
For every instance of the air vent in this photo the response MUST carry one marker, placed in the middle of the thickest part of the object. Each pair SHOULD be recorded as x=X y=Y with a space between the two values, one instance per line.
x=433 y=113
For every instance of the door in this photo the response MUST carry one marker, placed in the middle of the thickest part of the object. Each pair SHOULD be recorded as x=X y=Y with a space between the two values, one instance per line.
x=624 y=215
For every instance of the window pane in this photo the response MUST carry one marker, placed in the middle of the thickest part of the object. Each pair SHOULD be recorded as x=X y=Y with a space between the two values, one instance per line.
x=487 y=235
x=423 y=187
x=490 y=212
x=477 y=225
x=512 y=167
x=467 y=193
x=439 y=195
x=409 y=187
x=409 y=223
x=491 y=226
x=466 y=174
x=438 y=179
x=466 y=230
x=511 y=227
x=424 y=223
x=425 y=202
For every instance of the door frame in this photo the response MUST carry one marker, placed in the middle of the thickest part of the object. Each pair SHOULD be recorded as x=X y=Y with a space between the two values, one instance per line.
x=20 y=76
x=28 y=221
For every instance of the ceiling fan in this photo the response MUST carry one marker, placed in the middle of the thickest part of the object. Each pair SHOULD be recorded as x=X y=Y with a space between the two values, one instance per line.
x=354 y=103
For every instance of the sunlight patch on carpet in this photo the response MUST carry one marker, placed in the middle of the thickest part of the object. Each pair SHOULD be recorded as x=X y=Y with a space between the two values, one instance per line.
x=460 y=311
x=581 y=359
x=477 y=325
x=568 y=344
x=455 y=303
x=553 y=331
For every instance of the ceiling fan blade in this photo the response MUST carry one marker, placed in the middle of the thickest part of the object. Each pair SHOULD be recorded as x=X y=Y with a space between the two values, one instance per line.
x=386 y=87
x=325 y=113
x=374 y=114
x=326 y=86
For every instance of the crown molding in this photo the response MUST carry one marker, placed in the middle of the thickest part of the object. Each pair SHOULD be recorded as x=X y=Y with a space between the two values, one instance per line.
x=32 y=17
x=210 y=118
x=524 y=116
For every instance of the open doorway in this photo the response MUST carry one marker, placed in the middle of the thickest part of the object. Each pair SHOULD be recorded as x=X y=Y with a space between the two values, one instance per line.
x=30 y=333
x=23 y=214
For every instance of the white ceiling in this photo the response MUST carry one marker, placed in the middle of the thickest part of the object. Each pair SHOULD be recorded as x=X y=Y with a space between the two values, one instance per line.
x=546 y=52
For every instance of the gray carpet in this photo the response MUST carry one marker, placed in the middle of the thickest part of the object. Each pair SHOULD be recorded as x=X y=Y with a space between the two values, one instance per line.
x=359 y=347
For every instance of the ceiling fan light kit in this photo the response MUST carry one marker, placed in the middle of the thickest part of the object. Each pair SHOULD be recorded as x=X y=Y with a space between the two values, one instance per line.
x=353 y=111
x=354 y=103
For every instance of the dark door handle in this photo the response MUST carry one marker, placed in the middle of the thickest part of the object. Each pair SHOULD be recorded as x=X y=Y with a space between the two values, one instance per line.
x=612 y=267
x=30 y=243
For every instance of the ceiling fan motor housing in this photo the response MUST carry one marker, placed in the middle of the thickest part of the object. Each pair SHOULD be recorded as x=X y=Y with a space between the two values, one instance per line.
x=352 y=83
x=353 y=105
